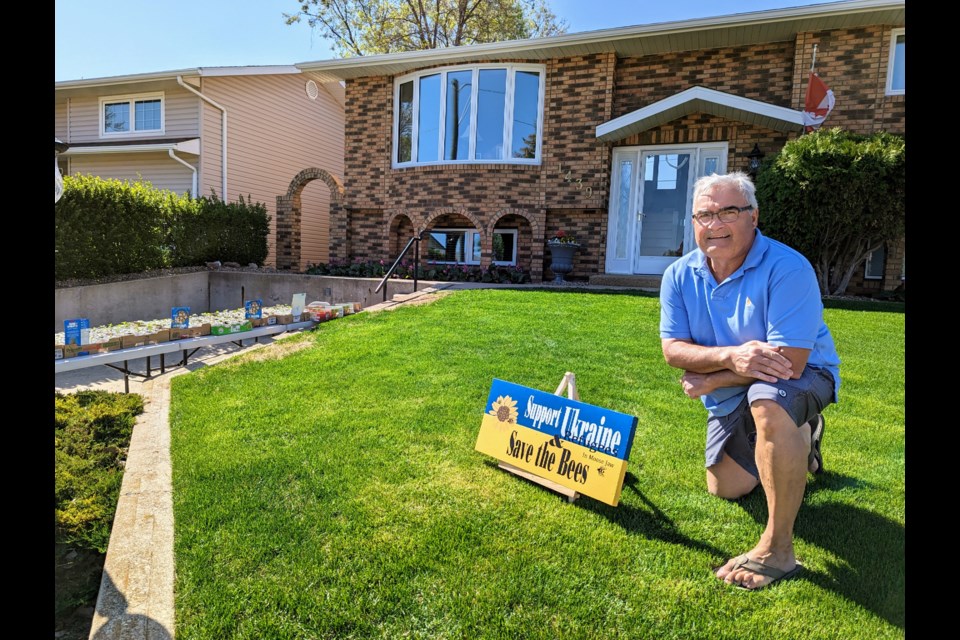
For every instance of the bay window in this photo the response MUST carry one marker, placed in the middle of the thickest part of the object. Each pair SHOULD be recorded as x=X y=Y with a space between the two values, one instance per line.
x=897 y=64
x=481 y=113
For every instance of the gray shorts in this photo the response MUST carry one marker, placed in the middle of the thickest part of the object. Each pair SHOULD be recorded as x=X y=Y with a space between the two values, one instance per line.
x=735 y=434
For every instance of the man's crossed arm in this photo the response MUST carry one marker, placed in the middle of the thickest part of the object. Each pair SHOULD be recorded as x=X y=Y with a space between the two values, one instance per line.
x=709 y=368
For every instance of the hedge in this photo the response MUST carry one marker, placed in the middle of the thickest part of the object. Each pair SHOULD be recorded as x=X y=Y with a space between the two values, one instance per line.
x=216 y=230
x=106 y=227
x=92 y=435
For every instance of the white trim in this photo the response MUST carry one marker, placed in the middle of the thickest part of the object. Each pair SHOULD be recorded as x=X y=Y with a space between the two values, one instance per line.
x=211 y=72
x=866 y=265
x=131 y=100
x=508 y=112
x=266 y=70
x=516 y=237
x=633 y=263
x=398 y=63
x=187 y=146
x=894 y=34
x=468 y=234
x=700 y=99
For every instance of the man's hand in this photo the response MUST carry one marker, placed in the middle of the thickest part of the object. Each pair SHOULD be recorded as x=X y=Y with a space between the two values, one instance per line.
x=697 y=384
x=760 y=360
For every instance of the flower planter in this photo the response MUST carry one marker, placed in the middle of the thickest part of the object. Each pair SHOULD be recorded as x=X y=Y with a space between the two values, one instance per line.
x=561 y=259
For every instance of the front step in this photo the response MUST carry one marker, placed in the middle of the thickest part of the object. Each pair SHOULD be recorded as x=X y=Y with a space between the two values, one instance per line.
x=649 y=282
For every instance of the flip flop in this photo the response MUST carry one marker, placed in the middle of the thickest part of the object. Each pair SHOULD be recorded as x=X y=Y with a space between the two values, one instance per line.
x=743 y=562
x=816 y=437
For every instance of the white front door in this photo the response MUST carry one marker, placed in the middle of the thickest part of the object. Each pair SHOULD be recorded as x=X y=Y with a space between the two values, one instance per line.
x=650 y=191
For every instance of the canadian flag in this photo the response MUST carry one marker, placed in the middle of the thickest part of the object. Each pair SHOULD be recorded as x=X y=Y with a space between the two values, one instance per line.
x=819 y=103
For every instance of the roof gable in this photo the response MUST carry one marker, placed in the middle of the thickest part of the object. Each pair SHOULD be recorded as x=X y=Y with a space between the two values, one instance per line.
x=701 y=100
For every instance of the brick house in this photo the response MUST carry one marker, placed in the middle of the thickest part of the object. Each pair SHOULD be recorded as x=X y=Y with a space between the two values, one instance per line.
x=492 y=148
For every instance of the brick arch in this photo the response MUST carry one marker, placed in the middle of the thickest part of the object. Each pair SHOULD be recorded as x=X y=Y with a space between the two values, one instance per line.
x=459 y=211
x=526 y=215
x=529 y=246
x=308 y=175
x=289 y=216
x=396 y=232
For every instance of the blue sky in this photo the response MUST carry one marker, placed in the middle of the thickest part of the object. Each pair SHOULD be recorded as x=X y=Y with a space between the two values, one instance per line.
x=99 y=38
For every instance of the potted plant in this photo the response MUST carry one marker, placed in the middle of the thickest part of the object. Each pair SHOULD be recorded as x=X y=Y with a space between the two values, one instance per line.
x=562 y=247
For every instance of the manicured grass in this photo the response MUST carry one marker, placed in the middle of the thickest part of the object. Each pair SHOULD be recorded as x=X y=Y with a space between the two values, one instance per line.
x=336 y=492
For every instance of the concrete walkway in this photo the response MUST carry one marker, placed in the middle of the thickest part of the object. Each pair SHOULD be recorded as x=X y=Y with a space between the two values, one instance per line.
x=136 y=591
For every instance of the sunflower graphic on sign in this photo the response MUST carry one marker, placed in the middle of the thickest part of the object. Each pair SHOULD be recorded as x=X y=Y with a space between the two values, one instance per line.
x=504 y=409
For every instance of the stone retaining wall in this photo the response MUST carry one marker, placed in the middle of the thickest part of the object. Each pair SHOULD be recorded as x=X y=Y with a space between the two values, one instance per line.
x=152 y=298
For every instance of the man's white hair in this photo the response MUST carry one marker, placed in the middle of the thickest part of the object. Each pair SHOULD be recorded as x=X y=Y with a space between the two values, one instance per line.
x=736 y=179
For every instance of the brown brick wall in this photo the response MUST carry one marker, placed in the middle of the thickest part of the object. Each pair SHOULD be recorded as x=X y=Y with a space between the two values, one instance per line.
x=853 y=63
x=589 y=227
x=368 y=235
x=369 y=113
x=759 y=72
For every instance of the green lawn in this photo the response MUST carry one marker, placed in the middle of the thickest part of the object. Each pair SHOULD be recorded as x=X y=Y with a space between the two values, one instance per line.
x=336 y=493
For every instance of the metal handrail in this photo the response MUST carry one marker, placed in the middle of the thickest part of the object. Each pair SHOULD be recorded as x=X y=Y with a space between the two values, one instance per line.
x=416 y=265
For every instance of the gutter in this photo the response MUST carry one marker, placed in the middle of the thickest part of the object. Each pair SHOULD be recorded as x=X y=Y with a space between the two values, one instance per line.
x=223 y=134
x=192 y=168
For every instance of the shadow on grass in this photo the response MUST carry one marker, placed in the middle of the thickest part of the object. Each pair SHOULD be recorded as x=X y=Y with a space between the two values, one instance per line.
x=871 y=549
x=653 y=524
x=887 y=306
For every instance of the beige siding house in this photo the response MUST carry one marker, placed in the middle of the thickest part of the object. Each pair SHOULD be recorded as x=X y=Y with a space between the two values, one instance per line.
x=179 y=129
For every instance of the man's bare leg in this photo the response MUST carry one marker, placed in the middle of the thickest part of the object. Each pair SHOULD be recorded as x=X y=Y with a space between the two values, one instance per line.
x=781 y=457
x=727 y=479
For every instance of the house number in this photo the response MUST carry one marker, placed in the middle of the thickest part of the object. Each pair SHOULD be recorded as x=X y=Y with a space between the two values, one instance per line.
x=578 y=182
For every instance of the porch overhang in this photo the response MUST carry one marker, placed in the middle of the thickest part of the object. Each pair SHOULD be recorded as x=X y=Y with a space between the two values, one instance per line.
x=190 y=145
x=701 y=100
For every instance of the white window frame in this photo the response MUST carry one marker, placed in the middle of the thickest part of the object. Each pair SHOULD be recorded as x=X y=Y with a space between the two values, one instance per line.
x=894 y=34
x=867 y=275
x=132 y=99
x=468 y=241
x=516 y=237
x=511 y=70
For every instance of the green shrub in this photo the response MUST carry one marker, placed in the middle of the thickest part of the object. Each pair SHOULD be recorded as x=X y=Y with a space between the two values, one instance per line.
x=109 y=227
x=835 y=196
x=92 y=435
x=104 y=227
x=216 y=230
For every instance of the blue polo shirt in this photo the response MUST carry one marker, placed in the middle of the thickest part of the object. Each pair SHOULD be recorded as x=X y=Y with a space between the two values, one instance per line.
x=773 y=297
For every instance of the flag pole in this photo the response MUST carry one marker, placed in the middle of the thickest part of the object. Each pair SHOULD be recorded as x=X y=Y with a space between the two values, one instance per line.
x=813 y=63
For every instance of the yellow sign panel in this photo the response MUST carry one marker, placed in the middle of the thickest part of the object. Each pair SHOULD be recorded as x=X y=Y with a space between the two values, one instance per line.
x=579 y=446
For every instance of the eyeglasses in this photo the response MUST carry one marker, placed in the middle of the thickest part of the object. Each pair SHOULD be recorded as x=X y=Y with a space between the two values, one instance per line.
x=727 y=215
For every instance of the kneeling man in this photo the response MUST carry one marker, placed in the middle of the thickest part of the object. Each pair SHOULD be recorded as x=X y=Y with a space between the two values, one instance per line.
x=742 y=316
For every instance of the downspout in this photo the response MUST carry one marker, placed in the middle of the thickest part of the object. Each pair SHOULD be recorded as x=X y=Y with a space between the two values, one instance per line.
x=193 y=192
x=223 y=131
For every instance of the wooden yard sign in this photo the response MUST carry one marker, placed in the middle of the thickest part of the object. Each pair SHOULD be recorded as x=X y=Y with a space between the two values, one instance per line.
x=566 y=445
